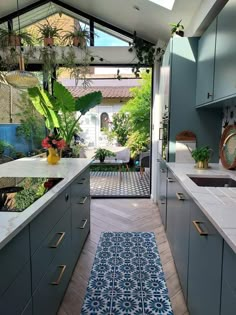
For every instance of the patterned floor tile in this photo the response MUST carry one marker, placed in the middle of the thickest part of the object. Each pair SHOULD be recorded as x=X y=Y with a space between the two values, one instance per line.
x=109 y=184
x=127 y=277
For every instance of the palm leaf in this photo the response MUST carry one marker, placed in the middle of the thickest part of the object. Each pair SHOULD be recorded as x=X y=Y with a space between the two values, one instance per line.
x=86 y=102
x=64 y=98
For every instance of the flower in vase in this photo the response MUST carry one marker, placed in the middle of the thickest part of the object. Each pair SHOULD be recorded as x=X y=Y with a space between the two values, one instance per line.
x=53 y=141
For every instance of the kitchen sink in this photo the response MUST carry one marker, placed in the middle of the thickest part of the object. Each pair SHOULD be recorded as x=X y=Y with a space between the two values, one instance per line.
x=207 y=181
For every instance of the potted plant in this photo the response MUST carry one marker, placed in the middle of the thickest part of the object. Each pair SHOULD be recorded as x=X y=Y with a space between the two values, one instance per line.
x=101 y=154
x=177 y=28
x=78 y=37
x=14 y=38
x=48 y=33
x=201 y=156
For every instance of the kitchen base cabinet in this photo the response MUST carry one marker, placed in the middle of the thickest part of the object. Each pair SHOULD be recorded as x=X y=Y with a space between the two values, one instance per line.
x=228 y=299
x=162 y=191
x=205 y=263
x=178 y=208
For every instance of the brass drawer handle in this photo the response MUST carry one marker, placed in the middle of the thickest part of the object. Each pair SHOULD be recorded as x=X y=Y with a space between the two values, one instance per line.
x=180 y=196
x=82 y=202
x=198 y=228
x=66 y=197
x=83 y=226
x=83 y=179
x=170 y=180
x=57 y=282
x=62 y=235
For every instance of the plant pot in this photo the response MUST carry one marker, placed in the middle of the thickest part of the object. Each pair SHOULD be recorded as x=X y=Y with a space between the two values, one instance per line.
x=102 y=160
x=179 y=33
x=14 y=40
x=53 y=156
x=48 y=41
x=79 y=42
x=202 y=164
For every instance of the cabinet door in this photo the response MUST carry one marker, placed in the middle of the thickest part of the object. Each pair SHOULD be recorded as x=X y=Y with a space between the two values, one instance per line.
x=225 y=62
x=205 y=65
x=228 y=299
x=178 y=205
x=205 y=263
x=162 y=192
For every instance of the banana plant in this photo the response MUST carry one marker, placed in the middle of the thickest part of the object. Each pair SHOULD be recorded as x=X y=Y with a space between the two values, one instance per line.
x=59 y=110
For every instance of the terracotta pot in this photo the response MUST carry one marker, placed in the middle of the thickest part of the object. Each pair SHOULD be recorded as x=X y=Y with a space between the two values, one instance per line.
x=79 y=42
x=14 y=40
x=48 y=41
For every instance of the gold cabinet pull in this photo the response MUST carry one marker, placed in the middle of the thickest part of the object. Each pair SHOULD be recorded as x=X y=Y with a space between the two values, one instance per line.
x=170 y=180
x=62 y=235
x=57 y=282
x=180 y=196
x=83 y=226
x=198 y=228
x=82 y=202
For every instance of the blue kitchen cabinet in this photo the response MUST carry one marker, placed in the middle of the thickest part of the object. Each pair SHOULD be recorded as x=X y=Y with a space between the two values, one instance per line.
x=225 y=62
x=178 y=211
x=205 y=65
x=205 y=264
x=228 y=299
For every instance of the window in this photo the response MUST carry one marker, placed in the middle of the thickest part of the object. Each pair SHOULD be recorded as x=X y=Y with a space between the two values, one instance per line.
x=104 y=121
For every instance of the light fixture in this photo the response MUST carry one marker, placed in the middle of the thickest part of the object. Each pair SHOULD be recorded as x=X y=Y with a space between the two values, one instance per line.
x=21 y=79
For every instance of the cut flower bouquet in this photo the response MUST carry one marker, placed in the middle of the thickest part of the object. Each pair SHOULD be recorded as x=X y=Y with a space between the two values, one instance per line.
x=53 y=141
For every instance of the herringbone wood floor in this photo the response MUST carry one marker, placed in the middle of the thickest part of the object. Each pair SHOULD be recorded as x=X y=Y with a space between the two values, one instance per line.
x=122 y=215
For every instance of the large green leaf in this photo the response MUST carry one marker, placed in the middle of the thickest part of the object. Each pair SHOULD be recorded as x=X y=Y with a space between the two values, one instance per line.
x=43 y=104
x=64 y=98
x=86 y=102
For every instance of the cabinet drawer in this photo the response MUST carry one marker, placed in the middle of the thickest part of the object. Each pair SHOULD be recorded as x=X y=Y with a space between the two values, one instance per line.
x=13 y=257
x=29 y=309
x=51 y=246
x=46 y=220
x=80 y=187
x=228 y=300
x=14 y=300
x=48 y=295
x=80 y=226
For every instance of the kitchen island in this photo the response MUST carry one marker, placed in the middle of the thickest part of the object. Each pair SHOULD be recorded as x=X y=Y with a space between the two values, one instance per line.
x=39 y=246
x=201 y=229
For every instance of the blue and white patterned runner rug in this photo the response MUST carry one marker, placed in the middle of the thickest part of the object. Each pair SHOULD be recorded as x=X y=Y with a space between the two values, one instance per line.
x=127 y=277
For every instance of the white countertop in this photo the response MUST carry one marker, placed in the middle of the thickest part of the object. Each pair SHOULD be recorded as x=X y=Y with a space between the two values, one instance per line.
x=217 y=203
x=12 y=223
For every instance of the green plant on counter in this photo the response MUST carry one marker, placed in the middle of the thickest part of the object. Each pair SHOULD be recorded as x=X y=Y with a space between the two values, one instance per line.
x=201 y=156
x=101 y=154
x=177 y=28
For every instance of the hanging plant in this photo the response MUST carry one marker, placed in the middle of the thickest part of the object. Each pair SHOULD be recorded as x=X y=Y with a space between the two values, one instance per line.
x=146 y=53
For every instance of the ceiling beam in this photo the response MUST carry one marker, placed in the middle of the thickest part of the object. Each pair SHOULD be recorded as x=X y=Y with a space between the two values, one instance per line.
x=23 y=10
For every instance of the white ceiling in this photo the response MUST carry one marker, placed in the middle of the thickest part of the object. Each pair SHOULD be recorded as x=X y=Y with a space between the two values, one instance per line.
x=151 y=21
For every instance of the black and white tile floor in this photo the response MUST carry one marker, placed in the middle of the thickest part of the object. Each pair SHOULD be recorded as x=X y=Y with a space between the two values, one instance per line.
x=109 y=184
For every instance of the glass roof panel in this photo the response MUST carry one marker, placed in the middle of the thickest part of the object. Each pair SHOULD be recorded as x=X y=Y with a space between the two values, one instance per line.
x=168 y=4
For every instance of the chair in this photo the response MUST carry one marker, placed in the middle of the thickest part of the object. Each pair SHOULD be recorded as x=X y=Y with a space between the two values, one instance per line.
x=144 y=159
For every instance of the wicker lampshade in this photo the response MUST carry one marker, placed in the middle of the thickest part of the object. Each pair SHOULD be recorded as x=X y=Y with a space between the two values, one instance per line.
x=21 y=79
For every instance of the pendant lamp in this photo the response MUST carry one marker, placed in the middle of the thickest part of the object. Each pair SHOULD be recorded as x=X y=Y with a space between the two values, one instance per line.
x=21 y=79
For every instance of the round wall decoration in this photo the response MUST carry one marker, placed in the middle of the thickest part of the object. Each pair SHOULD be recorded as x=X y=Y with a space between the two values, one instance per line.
x=228 y=147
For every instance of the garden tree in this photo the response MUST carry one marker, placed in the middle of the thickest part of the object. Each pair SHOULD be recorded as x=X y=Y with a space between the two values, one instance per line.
x=32 y=126
x=138 y=109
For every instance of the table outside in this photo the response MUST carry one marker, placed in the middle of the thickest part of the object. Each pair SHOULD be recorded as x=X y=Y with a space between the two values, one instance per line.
x=118 y=163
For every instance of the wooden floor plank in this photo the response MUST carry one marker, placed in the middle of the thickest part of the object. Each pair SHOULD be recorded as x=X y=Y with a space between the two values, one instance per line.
x=122 y=215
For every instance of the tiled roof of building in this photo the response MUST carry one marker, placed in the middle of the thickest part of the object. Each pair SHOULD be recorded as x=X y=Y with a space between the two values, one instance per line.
x=107 y=91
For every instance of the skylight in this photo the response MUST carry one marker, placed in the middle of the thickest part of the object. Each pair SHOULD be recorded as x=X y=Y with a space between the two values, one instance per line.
x=168 y=4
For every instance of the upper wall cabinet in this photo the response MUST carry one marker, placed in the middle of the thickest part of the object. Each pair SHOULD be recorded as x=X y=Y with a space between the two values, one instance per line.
x=225 y=57
x=205 y=66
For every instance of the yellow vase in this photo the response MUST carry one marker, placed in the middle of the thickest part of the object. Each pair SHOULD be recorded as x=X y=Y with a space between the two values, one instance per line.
x=53 y=156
